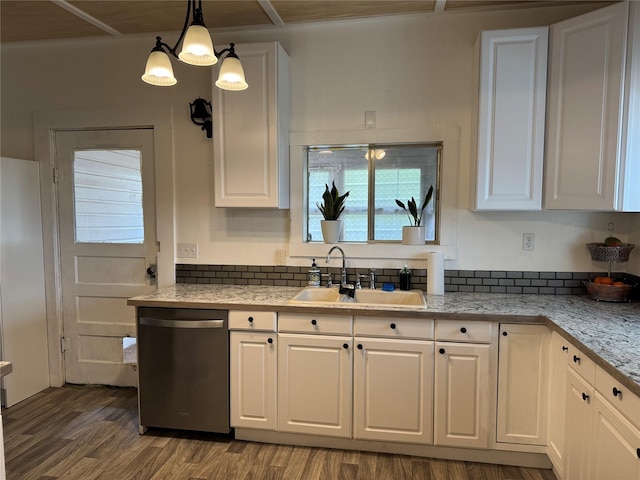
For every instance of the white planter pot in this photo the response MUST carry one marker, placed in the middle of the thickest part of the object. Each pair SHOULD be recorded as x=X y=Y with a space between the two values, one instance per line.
x=413 y=235
x=331 y=230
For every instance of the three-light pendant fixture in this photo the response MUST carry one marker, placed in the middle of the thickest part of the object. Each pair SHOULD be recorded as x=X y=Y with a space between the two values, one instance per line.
x=197 y=50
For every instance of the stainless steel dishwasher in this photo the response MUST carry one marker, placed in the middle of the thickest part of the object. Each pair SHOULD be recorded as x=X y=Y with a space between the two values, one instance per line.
x=183 y=367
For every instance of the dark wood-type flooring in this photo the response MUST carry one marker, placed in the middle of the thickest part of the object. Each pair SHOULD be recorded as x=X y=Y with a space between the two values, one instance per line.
x=92 y=433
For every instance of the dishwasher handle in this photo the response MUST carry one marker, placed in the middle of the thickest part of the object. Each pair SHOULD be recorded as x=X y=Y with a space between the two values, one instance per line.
x=159 y=322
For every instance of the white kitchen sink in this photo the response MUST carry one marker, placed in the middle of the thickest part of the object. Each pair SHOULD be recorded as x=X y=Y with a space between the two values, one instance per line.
x=317 y=295
x=409 y=298
x=397 y=298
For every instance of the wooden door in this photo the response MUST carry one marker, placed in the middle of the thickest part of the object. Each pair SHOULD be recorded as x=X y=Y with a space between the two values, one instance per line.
x=254 y=377
x=461 y=405
x=314 y=384
x=107 y=238
x=393 y=390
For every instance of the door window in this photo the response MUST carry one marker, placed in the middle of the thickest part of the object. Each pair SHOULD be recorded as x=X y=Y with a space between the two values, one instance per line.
x=107 y=191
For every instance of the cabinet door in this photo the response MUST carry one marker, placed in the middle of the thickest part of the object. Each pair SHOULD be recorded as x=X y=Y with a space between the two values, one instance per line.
x=511 y=116
x=3 y=474
x=616 y=444
x=557 y=400
x=578 y=427
x=251 y=144
x=253 y=380
x=523 y=369
x=393 y=390
x=461 y=399
x=314 y=384
x=584 y=115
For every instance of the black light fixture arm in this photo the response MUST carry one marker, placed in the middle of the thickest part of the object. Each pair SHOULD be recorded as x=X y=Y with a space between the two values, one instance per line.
x=197 y=20
x=231 y=51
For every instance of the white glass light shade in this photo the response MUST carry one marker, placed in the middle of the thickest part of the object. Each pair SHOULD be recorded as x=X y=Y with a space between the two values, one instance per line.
x=231 y=75
x=158 y=71
x=197 y=48
x=377 y=154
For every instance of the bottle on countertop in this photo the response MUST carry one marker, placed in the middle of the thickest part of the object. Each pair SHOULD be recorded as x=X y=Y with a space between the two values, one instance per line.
x=314 y=274
x=405 y=278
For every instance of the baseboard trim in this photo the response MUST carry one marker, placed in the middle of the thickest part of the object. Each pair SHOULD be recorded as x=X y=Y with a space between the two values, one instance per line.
x=521 y=459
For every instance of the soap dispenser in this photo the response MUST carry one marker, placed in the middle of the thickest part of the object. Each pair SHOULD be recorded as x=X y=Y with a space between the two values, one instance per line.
x=314 y=274
x=405 y=278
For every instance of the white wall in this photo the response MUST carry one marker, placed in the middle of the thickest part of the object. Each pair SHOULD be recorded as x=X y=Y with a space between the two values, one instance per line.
x=338 y=71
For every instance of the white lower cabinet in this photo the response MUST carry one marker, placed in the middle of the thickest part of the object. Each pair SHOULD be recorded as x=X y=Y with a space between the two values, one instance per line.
x=393 y=390
x=254 y=357
x=461 y=400
x=615 y=448
x=3 y=474
x=557 y=401
x=523 y=382
x=602 y=429
x=578 y=427
x=314 y=384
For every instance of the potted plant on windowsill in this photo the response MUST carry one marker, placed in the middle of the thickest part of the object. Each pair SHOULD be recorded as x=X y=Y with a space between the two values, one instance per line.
x=414 y=234
x=331 y=208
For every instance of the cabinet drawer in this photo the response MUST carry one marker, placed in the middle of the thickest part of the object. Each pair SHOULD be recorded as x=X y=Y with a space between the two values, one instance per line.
x=325 y=324
x=393 y=327
x=248 y=320
x=625 y=401
x=582 y=364
x=464 y=331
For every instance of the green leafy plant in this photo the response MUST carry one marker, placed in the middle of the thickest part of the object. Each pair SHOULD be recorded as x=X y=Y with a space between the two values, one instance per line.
x=415 y=215
x=332 y=204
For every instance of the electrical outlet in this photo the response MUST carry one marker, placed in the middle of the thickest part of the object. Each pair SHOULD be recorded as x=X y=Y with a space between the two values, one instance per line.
x=528 y=242
x=187 y=250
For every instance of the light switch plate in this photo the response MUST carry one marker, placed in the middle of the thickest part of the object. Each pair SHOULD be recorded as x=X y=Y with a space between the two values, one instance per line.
x=187 y=250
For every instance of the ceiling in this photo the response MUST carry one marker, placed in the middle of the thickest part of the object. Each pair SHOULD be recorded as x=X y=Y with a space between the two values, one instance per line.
x=29 y=20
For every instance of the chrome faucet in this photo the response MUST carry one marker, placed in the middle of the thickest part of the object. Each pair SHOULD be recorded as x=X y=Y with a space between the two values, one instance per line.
x=372 y=279
x=343 y=281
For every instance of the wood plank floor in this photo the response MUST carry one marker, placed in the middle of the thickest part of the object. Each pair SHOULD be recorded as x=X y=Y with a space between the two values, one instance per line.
x=91 y=433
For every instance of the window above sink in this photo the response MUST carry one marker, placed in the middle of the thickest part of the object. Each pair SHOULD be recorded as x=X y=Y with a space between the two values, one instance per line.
x=385 y=254
x=375 y=176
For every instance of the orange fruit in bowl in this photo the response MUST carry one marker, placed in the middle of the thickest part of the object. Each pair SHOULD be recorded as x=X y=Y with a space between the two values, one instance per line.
x=603 y=280
x=619 y=284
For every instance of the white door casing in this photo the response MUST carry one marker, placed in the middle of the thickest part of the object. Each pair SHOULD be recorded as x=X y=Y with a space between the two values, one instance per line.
x=99 y=274
x=46 y=124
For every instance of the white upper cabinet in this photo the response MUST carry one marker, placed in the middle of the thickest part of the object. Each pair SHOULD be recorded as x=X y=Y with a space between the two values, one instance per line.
x=510 y=107
x=251 y=134
x=593 y=115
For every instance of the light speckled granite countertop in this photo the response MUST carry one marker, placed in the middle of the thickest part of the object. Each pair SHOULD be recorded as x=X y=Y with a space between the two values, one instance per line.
x=609 y=333
x=5 y=368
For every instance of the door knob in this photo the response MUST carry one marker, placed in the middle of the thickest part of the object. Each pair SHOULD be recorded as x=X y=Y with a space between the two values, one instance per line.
x=152 y=273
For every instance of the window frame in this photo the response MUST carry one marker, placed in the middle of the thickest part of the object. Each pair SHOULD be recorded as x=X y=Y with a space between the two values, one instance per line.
x=385 y=254
x=370 y=209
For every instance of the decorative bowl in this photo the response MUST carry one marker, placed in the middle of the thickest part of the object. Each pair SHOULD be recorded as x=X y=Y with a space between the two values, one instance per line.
x=608 y=293
x=613 y=254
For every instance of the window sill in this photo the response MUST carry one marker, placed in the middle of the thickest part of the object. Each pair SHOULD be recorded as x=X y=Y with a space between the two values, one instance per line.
x=386 y=255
